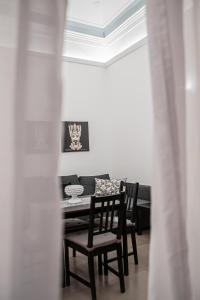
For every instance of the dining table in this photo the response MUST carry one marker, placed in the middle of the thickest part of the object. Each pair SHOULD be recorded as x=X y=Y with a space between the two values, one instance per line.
x=81 y=209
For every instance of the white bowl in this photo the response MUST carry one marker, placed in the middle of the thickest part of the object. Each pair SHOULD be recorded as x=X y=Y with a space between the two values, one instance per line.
x=74 y=191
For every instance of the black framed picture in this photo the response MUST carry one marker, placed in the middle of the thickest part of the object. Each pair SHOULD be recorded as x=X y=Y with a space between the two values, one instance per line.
x=75 y=136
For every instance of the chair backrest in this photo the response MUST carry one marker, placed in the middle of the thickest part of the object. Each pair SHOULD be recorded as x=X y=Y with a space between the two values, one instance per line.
x=106 y=208
x=131 y=196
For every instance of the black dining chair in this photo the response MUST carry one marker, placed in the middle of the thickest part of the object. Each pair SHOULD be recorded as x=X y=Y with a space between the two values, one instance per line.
x=99 y=239
x=131 y=195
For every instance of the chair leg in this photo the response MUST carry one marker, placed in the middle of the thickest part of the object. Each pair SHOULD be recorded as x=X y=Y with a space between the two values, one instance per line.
x=134 y=245
x=100 y=264
x=67 y=276
x=105 y=264
x=74 y=253
x=125 y=254
x=63 y=267
x=92 y=275
x=120 y=268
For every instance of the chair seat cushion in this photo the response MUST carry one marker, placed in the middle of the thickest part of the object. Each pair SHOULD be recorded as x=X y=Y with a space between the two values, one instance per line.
x=100 y=240
x=72 y=225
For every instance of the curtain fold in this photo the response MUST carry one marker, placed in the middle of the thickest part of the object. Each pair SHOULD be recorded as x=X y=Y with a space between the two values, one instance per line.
x=192 y=58
x=169 y=276
x=174 y=48
x=30 y=55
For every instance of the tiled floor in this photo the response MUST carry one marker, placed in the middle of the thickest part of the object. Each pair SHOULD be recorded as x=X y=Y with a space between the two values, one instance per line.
x=108 y=287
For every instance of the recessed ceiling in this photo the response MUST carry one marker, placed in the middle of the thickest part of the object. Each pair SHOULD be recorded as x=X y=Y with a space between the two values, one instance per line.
x=100 y=31
x=97 y=13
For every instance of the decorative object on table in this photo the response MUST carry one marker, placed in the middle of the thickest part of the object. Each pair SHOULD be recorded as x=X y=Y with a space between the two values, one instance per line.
x=74 y=191
x=68 y=180
x=106 y=187
x=75 y=137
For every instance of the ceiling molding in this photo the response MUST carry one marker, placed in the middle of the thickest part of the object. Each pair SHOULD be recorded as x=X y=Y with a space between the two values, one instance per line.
x=131 y=23
x=111 y=61
x=126 y=52
x=88 y=48
x=110 y=27
x=83 y=61
x=84 y=28
x=132 y=9
x=81 y=38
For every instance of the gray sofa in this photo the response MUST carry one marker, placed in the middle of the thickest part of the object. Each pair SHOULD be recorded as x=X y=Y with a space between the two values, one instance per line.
x=143 y=208
x=88 y=182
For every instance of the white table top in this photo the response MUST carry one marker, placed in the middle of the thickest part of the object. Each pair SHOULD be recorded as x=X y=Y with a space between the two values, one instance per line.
x=83 y=201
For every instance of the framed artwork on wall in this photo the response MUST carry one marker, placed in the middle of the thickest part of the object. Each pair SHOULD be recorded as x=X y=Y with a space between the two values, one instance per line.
x=75 y=136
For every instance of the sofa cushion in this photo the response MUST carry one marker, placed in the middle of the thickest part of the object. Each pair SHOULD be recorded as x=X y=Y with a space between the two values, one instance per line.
x=88 y=183
x=144 y=192
x=68 y=180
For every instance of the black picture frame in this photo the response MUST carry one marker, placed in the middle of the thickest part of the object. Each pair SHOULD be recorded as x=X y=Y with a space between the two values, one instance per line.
x=75 y=136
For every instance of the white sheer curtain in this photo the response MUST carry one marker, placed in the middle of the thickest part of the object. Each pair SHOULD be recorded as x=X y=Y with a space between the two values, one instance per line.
x=31 y=36
x=192 y=58
x=174 y=46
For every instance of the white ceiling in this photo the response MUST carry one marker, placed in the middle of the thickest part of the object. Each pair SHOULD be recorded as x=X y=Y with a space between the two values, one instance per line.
x=95 y=12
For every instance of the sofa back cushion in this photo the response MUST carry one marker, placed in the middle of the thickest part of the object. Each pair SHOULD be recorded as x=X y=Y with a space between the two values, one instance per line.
x=68 y=180
x=144 y=192
x=88 y=183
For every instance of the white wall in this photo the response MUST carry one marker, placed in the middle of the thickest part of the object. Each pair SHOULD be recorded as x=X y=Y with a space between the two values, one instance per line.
x=84 y=99
x=116 y=102
x=129 y=94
